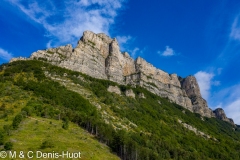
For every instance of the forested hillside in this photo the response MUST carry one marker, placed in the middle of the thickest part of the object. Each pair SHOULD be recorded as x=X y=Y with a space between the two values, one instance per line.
x=148 y=127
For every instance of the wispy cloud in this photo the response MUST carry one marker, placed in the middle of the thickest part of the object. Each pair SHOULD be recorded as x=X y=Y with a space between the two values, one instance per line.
x=216 y=83
x=205 y=82
x=233 y=110
x=126 y=43
x=123 y=42
x=235 y=30
x=230 y=101
x=65 y=21
x=134 y=52
x=219 y=71
x=5 y=54
x=49 y=45
x=231 y=47
x=227 y=95
x=228 y=98
x=168 y=52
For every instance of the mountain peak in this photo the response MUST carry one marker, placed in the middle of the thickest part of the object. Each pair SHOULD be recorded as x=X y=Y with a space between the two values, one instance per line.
x=99 y=56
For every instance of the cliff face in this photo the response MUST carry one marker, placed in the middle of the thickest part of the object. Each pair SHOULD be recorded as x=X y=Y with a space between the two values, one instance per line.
x=158 y=82
x=220 y=114
x=199 y=105
x=99 y=56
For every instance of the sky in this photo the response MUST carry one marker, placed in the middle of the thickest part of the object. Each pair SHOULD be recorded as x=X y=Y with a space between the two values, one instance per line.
x=200 y=38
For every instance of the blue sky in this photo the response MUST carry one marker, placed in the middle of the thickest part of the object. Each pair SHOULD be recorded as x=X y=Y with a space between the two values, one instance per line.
x=200 y=38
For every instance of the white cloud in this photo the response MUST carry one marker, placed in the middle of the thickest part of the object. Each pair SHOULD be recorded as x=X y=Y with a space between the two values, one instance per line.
x=49 y=44
x=232 y=110
x=134 y=52
x=5 y=54
x=67 y=19
x=204 y=81
x=218 y=106
x=235 y=30
x=229 y=100
x=126 y=42
x=123 y=41
x=216 y=83
x=168 y=52
x=227 y=95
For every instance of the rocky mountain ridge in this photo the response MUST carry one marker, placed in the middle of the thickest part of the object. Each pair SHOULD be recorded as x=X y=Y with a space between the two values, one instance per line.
x=99 y=56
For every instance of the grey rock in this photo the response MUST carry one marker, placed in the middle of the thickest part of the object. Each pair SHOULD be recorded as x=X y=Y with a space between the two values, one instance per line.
x=141 y=95
x=130 y=93
x=99 y=56
x=114 y=89
x=18 y=59
x=220 y=114
x=195 y=130
x=199 y=105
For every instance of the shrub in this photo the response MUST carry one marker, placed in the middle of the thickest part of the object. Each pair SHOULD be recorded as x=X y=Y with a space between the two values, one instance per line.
x=65 y=123
x=8 y=146
x=1 y=138
x=47 y=144
x=16 y=121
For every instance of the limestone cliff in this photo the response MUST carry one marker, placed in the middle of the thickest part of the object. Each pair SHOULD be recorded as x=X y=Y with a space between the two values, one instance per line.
x=99 y=56
x=220 y=114
x=199 y=105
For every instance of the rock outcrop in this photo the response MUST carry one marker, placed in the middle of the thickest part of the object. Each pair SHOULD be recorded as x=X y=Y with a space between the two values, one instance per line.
x=141 y=95
x=220 y=114
x=196 y=131
x=199 y=105
x=130 y=93
x=18 y=59
x=114 y=89
x=99 y=56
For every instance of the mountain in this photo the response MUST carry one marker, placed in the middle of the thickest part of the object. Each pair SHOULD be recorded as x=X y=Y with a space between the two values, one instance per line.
x=138 y=111
x=99 y=56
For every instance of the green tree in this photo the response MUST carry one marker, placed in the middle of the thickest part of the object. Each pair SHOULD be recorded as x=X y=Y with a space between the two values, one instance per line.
x=16 y=121
x=65 y=123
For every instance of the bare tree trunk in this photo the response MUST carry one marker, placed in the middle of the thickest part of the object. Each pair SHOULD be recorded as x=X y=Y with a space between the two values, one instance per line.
x=136 y=155
x=96 y=131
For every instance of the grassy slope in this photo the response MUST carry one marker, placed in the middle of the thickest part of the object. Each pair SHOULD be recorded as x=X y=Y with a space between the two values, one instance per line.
x=35 y=130
x=158 y=134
